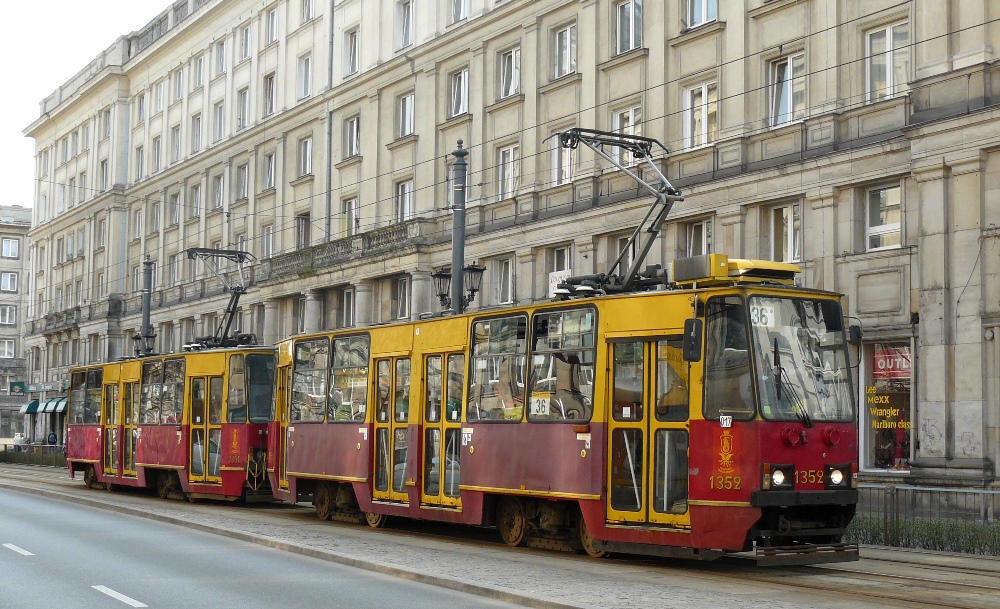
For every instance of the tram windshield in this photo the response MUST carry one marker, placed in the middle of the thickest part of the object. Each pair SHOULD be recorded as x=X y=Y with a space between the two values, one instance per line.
x=260 y=384
x=801 y=362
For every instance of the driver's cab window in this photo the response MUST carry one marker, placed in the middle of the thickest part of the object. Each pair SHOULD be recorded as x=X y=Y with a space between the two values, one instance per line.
x=728 y=382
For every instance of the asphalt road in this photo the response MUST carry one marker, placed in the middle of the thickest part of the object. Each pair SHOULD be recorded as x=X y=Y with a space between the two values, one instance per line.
x=56 y=554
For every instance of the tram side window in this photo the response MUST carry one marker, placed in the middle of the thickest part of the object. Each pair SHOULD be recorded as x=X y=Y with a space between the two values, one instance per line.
x=77 y=397
x=433 y=389
x=237 y=404
x=349 y=385
x=499 y=355
x=172 y=398
x=309 y=372
x=728 y=385
x=152 y=385
x=453 y=390
x=260 y=386
x=671 y=380
x=444 y=399
x=628 y=381
x=92 y=407
x=562 y=366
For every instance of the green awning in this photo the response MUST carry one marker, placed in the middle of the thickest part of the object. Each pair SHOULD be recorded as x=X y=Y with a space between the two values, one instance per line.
x=30 y=408
x=54 y=405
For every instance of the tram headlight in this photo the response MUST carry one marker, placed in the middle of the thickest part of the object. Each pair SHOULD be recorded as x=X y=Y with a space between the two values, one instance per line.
x=778 y=476
x=838 y=476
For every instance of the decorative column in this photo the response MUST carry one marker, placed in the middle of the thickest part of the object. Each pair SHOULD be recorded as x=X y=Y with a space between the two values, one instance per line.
x=272 y=318
x=314 y=311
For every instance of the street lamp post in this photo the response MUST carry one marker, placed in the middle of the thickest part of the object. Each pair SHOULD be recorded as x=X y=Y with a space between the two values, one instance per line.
x=458 y=228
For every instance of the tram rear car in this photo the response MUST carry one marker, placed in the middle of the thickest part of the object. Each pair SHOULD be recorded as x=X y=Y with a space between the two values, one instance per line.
x=718 y=416
x=189 y=425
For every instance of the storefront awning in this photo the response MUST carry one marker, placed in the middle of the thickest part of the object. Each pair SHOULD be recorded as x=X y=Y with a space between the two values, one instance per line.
x=30 y=408
x=54 y=405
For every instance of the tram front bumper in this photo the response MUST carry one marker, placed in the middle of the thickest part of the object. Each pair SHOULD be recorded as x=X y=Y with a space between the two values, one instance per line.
x=793 y=498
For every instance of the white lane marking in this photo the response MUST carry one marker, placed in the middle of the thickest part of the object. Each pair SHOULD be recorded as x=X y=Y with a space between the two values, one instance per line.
x=20 y=551
x=118 y=596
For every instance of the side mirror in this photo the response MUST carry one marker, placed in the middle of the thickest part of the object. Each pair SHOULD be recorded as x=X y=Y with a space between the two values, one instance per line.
x=692 y=340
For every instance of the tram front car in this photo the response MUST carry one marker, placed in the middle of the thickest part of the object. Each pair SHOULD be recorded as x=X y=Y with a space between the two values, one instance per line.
x=782 y=422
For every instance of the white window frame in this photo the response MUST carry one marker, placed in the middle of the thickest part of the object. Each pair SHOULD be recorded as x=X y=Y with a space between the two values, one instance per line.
x=305 y=156
x=564 y=51
x=8 y=281
x=175 y=208
x=195 y=207
x=158 y=96
x=245 y=46
x=243 y=108
x=302 y=232
x=508 y=171
x=272 y=25
x=405 y=114
x=196 y=133
x=401 y=298
x=199 y=72
x=304 y=76
x=701 y=11
x=458 y=101
x=785 y=227
x=627 y=121
x=11 y=248
x=243 y=182
x=895 y=82
x=175 y=143
x=178 y=84
x=699 y=237
x=137 y=224
x=352 y=49
x=701 y=114
x=628 y=19
x=786 y=78
x=887 y=228
x=7 y=348
x=270 y=92
x=403 y=200
x=510 y=72
x=220 y=57
x=8 y=315
x=352 y=136
x=347 y=308
x=503 y=280
x=140 y=108
x=404 y=23
x=308 y=10
x=157 y=144
x=352 y=216
x=219 y=112
x=562 y=163
x=218 y=191
x=267 y=241
x=269 y=170
x=459 y=10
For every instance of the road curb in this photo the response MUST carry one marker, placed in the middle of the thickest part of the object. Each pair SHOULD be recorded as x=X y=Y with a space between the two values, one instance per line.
x=440 y=581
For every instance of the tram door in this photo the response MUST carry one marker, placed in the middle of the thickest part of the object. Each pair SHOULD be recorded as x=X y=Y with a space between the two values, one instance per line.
x=282 y=399
x=391 y=429
x=206 y=429
x=442 y=428
x=110 y=422
x=648 y=432
x=130 y=408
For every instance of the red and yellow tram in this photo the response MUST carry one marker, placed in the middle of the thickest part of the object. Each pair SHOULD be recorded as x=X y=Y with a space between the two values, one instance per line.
x=716 y=416
x=189 y=425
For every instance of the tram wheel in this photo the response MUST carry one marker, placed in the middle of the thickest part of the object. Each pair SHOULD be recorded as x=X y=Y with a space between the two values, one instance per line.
x=376 y=521
x=511 y=521
x=588 y=542
x=163 y=485
x=322 y=501
x=90 y=477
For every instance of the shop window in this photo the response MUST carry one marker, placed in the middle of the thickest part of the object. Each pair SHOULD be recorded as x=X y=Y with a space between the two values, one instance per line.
x=886 y=404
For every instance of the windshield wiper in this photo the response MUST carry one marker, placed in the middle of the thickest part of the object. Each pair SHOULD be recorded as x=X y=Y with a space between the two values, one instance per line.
x=798 y=407
x=777 y=369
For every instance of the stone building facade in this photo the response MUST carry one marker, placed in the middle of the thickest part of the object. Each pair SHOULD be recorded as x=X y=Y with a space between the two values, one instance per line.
x=857 y=139
x=15 y=221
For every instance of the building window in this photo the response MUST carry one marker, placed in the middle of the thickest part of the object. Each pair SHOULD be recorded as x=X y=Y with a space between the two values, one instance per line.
x=352 y=136
x=11 y=248
x=701 y=114
x=562 y=163
x=242 y=182
x=137 y=224
x=7 y=348
x=8 y=315
x=882 y=220
x=194 y=209
x=401 y=298
x=8 y=282
x=508 y=172
x=269 y=94
x=302 y=232
x=347 y=308
x=175 y=143
x=178 y=85
x=199 y=72
x=245 y=42
x=888 y=60
x=136 y=279
x=156 y=154
x=404 y=200
x=71 y=187
x=272 y=25
x=106 y=123
x=887 y=407
x=242 y=108
x=404 y=24
x=629 y=18
x=220 y=57
x=304 y=76
x=352 y=216
x=351 y=60
x=158 y=97
x=786 y=89
x=220 y=120
x=140 y=109
x=510 y=72
x=305 y=156
x=217 y=192
x=267 y=241
x=174 y=209
x=503 y=280
x=627 y=121
x=702 y=11
x=459 y=10
x=196 y=133
x=172 y=269
x=405 y=115
x=105 y=178
x=102 y=233
x=269 y=168
x=786 y=233
x=154 y=218
x=564 y=51
x=459 y=93
x=699 y=238
x=307 y=10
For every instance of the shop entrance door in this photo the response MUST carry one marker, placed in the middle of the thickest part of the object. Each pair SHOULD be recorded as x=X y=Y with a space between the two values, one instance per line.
x=648 y=432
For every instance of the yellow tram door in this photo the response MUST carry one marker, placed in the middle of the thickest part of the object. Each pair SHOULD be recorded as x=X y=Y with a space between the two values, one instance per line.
x=205 y=398
x=130 y=408
x=648 y=432
x=391 y=429
x=442 y=428
x=109 y=423
x=282 y=399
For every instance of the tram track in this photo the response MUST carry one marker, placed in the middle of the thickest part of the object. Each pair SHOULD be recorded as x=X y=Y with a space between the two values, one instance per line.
x=886 y=577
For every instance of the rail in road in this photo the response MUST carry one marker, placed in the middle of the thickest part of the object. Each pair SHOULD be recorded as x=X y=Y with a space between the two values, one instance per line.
x=467 y=561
